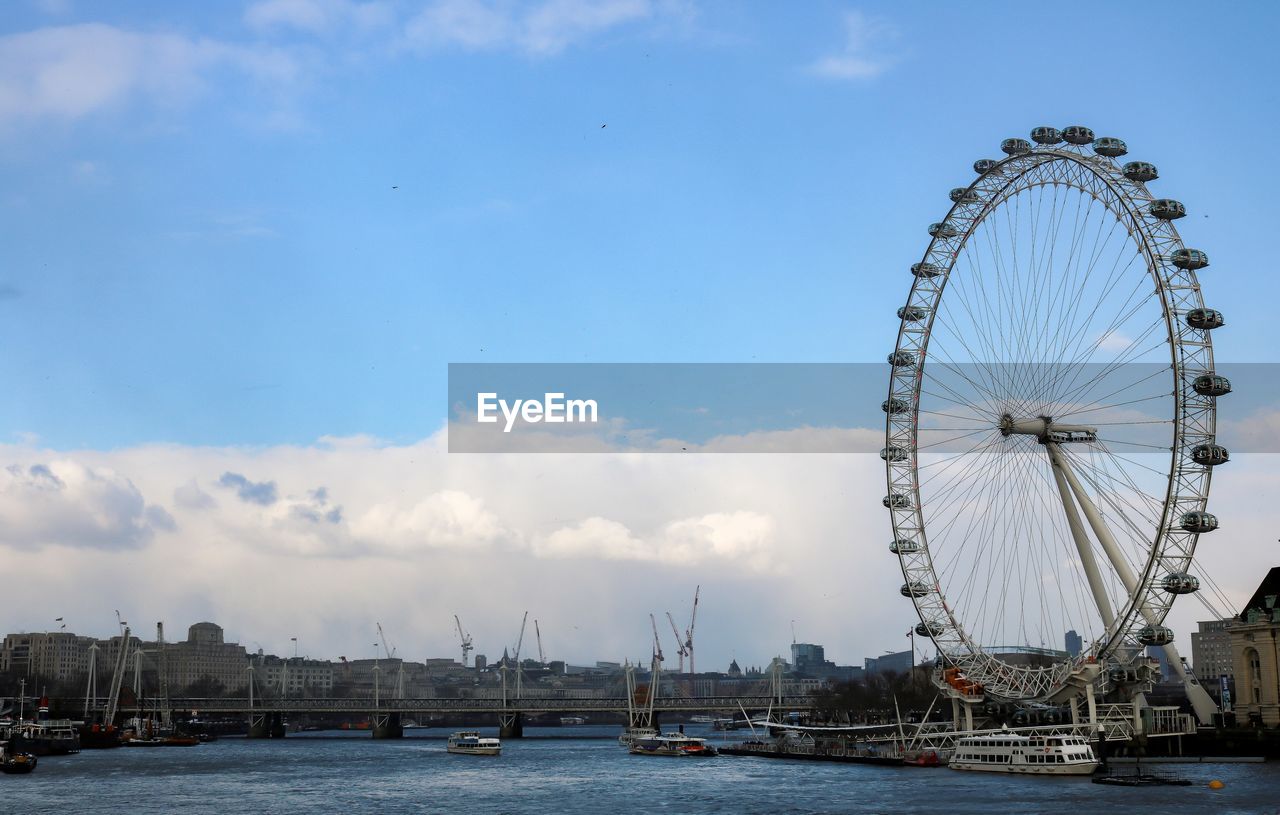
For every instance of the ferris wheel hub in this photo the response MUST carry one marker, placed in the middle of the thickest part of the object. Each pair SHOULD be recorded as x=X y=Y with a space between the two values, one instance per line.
x=1045 y=429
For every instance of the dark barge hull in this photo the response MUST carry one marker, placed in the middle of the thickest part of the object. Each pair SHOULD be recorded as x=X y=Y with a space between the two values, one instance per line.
x=887 y=761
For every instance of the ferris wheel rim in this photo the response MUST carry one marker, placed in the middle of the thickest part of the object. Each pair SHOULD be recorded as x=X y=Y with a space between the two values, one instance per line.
x=1171 y=550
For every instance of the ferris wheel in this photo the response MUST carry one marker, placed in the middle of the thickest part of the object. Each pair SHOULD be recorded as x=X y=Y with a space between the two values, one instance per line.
x=1050 y=422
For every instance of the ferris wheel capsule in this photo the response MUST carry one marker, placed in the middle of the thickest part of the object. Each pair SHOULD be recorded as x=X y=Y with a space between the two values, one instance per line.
x=1142 y=171
x=897 y=500
x=1205 y=319
x=893 y=453
x=1198 y=522
x=1155 y=635
x=926 y=270
x=902 y=359
x=1046 y=135
x=1109 y=147
x=1167 y=209
x=942 y=230
x=914 y=589
x=1189 y=259
x=895 y=406
x=1180 y=583
x=904 y=546
x=963 y=195
x=1078 y=135
x=912 y=314
x=1015 y=147
x=929 y=629
x=984 y=165
x=1210 y=455
x=1211 y=385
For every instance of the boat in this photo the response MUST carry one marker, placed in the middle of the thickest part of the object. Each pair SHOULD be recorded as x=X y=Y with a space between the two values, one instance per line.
x=171 y=740
x=702 y=718
x=1014 y=753
x=672 y=744
x=16 y=763
x=99 y=736
x=630 y=734
x=50 y=737
x=572 y=721
x=471 y=743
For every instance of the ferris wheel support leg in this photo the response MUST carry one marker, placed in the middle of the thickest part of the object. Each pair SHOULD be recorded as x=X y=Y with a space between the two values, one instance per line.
x=1092 y=702
x=1087 y=559
x=1094 y=517
x=1201 y=702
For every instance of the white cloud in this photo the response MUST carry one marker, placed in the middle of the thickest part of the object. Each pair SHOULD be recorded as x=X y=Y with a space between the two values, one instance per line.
x=68 y=72
x=543 y=29
x=62 y=502
x=863 y=55
x=409 y=534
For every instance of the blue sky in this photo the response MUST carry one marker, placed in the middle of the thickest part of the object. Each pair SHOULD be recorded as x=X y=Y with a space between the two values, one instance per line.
x=241 y=242
x=222 y=258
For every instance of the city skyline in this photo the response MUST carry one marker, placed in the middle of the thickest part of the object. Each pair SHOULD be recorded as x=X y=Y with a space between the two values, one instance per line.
x=244 y=242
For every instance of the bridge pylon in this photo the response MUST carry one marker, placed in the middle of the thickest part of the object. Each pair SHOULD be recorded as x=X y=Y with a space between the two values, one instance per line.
x=266 y=725
x=511 y=724
x=386 y=725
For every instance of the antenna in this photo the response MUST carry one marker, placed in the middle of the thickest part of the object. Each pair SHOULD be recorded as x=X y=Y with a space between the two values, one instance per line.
x=793 y=632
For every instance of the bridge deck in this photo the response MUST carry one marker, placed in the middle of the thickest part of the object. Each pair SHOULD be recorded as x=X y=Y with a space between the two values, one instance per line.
x=526 y=705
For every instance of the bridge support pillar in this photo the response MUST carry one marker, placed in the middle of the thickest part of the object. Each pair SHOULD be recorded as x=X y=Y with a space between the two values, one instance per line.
x=266 y=725
x=386 y=726
x=511 y=725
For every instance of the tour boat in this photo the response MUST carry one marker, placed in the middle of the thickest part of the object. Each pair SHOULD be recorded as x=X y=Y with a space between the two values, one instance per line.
x=1012 y=753
x=672 y=744
x=572 y=721
x=630 y=734
x=471 y=743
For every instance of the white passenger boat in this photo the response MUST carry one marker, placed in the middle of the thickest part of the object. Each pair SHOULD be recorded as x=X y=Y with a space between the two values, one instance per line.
x=672 y=744
x=1013 y=753
x=630 y=734
x=471 y=743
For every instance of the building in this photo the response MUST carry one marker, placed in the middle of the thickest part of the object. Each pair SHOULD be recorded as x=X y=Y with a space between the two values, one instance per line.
x=805 y=654
x=896 y=662
x=1211 y=652
x=57 y=656
x=293 y=677
x=1255 y=647
x=206 y=659
x=1074 y=643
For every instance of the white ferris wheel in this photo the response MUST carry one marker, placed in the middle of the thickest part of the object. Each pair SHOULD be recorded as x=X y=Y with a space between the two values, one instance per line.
x=1050 y=422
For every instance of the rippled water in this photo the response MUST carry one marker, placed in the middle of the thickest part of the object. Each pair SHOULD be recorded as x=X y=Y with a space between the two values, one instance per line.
x=569 y=770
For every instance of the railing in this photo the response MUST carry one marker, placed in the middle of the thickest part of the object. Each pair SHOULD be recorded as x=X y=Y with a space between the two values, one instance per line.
x=482 y=705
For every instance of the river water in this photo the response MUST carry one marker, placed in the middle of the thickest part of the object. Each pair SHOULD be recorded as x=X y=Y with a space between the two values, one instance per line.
x=569 y=770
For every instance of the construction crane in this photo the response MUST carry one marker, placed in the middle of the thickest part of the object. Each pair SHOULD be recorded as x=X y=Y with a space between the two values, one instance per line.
x=542 y=657
x=390 y=649
x=467 y=647
x=657 y=643
x=520 y=642
x=688 y=634
x=679 y=641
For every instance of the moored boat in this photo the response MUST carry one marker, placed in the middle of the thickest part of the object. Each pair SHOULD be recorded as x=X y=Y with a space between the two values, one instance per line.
x=50 y=737
x=572 y=721
x=630 y=734
x=672 y=744
x=1015 y=753
x=16 y=763
x=471 y=743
